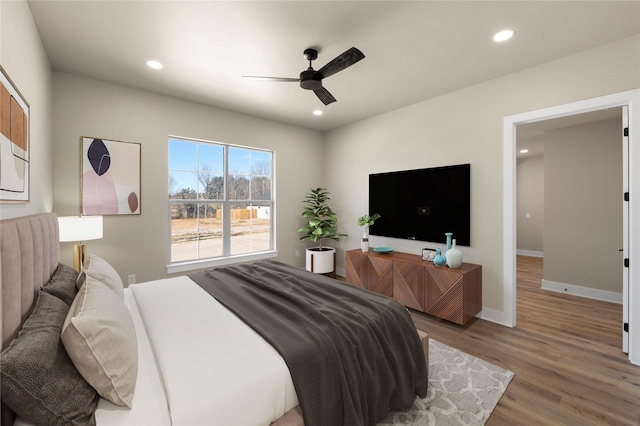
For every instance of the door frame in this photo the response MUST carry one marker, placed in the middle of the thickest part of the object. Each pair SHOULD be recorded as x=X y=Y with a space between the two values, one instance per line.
x=629 y=98
x=625 y=234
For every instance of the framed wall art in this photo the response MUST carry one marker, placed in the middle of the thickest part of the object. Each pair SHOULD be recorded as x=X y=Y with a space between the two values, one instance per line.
x=14 y=143
x=110 y=177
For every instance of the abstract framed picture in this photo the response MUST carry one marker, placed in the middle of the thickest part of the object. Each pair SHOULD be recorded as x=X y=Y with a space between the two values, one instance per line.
x=14 y=143
x=110 y=177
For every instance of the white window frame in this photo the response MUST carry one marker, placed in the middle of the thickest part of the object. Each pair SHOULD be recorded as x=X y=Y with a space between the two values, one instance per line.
x=226 y=258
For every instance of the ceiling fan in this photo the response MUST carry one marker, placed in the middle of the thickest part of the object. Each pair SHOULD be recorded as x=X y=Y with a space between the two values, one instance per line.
x=311 y=79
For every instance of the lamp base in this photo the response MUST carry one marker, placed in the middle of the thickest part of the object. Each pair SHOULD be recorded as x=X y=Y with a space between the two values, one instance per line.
x=78 y=256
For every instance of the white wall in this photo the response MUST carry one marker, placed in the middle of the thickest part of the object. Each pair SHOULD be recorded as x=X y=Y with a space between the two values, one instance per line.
x=466 y=126
x=583 y=206
x=23 y=58
x=139 y=244
x=530 y=204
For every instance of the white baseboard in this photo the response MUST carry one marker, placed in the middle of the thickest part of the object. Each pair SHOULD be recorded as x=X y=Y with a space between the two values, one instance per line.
x=591 y=293
x=531 y=253
x=493 y=315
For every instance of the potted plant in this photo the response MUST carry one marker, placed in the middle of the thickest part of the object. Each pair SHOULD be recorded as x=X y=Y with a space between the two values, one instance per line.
x=321 y=223
x=367 y=221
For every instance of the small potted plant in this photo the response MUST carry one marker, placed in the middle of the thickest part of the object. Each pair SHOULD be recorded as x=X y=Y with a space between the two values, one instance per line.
x=321 y=223
x=367 y=221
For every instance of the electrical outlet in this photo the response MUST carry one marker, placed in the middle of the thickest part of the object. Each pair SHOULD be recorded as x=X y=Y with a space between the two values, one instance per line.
x=297 y=253
x=132 y=279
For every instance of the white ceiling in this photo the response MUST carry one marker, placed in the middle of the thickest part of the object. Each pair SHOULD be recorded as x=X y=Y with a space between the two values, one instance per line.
x=415 y=50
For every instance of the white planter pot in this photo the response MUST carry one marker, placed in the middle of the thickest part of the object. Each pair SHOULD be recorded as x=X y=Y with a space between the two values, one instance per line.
x=320 y=262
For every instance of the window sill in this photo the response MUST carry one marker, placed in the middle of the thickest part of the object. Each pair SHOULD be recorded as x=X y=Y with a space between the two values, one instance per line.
x=194 y=265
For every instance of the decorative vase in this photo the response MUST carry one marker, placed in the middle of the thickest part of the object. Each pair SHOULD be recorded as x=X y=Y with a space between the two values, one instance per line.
x=448 y=235
x=365 y=242
x=438 y=260
x=454 y=256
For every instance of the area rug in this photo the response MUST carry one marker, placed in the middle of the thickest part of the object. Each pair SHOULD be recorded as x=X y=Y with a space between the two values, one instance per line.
x=463 y=390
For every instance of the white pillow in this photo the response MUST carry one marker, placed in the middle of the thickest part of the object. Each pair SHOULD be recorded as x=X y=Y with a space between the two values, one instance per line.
x=100 y=269
x=100 y=338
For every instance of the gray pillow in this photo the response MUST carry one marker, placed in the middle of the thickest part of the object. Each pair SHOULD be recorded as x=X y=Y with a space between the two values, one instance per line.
x=63 y=283
x=38 y=380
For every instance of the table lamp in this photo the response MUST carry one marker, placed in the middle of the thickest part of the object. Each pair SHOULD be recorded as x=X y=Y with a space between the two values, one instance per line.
x=79 y=228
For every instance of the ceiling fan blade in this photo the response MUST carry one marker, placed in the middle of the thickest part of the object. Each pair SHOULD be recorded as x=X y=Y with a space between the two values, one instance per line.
x=324 y=95
x=276 y=79
x=341 y=62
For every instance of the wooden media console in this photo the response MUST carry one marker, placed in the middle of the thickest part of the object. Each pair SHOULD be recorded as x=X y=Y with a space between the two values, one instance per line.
x=451 y=294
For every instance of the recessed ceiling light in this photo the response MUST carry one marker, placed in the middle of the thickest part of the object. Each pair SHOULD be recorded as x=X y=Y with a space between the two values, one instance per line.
x=524 y=151
x=317 y=112
x=155 y=65
x=503 y=35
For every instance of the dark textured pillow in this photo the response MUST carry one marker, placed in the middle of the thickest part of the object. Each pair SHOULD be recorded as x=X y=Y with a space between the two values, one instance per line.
x=63 y=283
x=39 y=381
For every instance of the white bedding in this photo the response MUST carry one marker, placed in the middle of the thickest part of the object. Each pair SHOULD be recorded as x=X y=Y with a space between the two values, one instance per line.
x=216 y=370
x=149 y=405
x=198 y=363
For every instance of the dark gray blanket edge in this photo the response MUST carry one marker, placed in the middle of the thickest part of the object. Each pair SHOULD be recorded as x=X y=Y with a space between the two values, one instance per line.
x=352 y=354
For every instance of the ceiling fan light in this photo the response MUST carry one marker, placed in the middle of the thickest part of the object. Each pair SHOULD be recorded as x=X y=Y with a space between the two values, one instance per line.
x=503 y=35
x=310 y=80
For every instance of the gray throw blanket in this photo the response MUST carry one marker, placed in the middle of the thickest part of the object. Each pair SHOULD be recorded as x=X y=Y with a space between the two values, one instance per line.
x=352 y=354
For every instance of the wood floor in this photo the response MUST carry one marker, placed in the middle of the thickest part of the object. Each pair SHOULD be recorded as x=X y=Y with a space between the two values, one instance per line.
x=565 y=353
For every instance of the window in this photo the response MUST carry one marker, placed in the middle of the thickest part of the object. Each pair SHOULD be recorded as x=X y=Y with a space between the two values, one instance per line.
x=220 y=203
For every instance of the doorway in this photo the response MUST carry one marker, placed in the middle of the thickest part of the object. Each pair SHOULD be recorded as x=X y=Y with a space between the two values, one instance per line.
x=630 y=100
x=569 y=177
x=569 y=181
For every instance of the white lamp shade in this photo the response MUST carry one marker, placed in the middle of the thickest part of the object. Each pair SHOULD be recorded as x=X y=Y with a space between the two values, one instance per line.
x=80 y=228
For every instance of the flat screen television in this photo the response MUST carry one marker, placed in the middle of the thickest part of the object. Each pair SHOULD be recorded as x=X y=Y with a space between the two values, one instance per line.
x=423 y=204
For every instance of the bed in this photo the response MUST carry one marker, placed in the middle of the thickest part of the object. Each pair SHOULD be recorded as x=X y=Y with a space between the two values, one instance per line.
x=204 y=364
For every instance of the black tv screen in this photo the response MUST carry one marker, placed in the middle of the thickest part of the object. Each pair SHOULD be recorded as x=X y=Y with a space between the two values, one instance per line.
x=423 y=204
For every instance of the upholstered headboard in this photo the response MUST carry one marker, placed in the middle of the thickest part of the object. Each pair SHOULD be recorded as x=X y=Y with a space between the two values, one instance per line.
x=29 y=254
